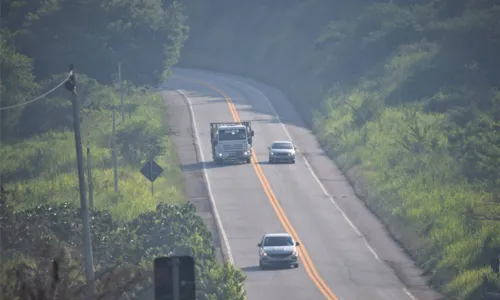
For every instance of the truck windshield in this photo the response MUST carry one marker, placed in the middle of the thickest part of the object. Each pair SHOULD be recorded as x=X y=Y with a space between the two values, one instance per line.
x=232 y=134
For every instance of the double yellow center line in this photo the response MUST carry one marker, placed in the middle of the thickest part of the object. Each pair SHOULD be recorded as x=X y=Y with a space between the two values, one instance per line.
x=303 y=254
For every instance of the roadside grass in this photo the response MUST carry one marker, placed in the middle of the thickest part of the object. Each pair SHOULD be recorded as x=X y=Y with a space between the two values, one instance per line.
x=42 y=169
x=399 y=161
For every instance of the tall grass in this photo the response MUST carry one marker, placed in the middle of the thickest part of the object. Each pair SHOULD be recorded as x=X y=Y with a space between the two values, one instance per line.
x=401 y=161
x=42 y=169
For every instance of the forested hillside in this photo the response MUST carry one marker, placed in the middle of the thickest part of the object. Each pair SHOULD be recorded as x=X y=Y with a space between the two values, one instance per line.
x=40 y=39
x=39 y=201
x=404 y=95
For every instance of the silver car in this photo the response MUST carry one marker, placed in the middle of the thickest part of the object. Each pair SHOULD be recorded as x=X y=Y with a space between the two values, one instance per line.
x=282 y=151
x=278 y=249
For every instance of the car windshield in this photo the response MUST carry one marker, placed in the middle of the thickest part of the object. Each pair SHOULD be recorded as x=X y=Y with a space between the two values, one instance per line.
x=282 y=146
x=232 y=134
x=274 y=241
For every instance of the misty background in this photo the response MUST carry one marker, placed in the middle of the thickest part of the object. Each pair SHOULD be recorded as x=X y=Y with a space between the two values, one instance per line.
x=402 y=94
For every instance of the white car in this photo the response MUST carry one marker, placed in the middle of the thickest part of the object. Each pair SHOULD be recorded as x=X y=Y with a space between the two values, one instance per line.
x=282 y=151
x=278 y=249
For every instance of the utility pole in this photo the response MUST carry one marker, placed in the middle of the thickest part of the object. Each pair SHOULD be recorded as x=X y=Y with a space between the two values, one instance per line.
x=70 y=85
x=91 y=183
x=121 y=91
x=115 y=159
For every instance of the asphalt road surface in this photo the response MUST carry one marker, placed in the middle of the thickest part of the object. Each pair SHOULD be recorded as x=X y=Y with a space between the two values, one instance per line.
x=345 y=252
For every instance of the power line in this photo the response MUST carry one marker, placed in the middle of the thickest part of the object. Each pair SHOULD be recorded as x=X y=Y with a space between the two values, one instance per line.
x=37 y=98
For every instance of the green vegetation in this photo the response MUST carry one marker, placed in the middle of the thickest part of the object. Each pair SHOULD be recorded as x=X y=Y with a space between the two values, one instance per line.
x=123 y=252
x=42 y=169
x=403 y=95
x=39 y=205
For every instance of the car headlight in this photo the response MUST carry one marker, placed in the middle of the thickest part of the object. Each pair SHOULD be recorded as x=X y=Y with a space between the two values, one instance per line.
x=220 y=154
x=245 y=153
x=263 y=253
x=295 y=253
x=290 y=154
x=272 y=153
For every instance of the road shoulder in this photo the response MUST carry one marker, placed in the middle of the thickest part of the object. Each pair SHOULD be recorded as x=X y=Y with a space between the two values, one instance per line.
x=195 y=187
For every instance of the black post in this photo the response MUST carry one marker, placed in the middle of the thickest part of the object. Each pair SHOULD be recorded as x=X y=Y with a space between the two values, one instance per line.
x=152 y=182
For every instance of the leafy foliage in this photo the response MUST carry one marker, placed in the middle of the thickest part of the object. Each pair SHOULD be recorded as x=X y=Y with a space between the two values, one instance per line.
x=403 y=95
x=16 y=85
x=96 y=35
x=42 y=38
x=169 y=230
x=138 y=142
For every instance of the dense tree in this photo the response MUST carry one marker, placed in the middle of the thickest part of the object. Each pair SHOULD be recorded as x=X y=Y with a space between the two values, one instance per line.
x=170 y=230
x=16 y=85
x=144 y=36
x=42 y=38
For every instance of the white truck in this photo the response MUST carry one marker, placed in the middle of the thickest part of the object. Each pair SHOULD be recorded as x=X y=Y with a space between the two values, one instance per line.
x=231 y=141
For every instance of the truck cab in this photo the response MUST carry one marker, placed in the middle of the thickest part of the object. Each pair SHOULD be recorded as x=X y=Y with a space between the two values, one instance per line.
x=231 y=142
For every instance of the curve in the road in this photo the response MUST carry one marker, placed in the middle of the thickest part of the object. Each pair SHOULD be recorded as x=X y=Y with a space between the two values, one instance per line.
x=303 y=254
x=351 y=272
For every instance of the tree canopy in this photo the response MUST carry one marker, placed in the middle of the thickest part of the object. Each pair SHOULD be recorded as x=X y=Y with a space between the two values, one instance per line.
x=41 y=39
x=145 y=36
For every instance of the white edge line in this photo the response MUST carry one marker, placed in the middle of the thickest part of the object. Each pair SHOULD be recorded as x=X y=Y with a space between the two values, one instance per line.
x=332 y=200
x=407 y=292
x=207 y=180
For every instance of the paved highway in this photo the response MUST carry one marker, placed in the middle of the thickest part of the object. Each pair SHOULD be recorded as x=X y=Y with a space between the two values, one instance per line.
x=345 y=252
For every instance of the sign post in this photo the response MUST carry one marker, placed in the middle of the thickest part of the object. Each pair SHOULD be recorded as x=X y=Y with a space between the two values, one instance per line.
x=151 y=170
x=174 y=278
